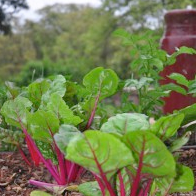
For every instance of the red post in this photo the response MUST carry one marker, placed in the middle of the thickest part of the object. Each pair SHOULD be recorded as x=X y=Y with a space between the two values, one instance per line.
x=180 y=31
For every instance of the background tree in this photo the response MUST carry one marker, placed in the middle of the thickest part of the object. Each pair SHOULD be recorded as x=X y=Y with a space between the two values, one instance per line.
x=142 y=14
x=7 y=9
x=72 y=39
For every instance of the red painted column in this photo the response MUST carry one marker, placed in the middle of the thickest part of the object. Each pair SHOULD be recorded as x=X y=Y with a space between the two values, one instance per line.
x=180 y=31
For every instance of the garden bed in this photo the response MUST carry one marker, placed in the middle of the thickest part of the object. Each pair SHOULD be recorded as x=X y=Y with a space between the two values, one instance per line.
x=14 y=174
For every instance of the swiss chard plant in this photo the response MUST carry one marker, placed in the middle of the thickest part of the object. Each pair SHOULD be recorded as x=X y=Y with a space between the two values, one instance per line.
x=41 y=111
x=128 y=157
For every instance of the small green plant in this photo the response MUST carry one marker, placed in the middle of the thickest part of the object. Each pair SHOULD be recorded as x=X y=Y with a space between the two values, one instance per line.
x=147 y=63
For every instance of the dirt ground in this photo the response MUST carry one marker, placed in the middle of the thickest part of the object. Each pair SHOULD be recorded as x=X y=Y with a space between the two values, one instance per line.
x=15 y=173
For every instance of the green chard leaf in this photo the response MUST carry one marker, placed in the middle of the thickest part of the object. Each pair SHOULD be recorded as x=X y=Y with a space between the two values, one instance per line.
x=189 y=114
x=15 y=111
x=62 y=111
x=184 y=181
x=13 y=90
x=36 y=90
x=58 y=86
x=167 y=126
x=43 y=125
x=97 y=149
x=66 y=134
x=156 y=159
x=126 y=122
x=102 y=82
x=90 y=189
x=39 y=193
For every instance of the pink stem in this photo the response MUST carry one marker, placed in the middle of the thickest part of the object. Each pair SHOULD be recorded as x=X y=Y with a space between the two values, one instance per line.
x=47 y=164
x=101 y=185
x=102 y=174
x=122 y=187
x=93 y=112
x=148 y=187
x=61 y=160
x=136 y=182
x=24 y=156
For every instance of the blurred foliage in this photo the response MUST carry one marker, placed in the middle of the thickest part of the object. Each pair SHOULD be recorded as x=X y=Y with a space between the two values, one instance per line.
x=7 y=9
x=72 y=39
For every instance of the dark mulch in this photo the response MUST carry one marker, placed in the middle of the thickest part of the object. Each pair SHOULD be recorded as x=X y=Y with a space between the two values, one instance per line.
x=15 y=173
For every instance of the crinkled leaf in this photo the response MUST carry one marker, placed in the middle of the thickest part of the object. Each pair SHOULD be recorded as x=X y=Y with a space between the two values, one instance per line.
x=62 y=111
x=179 y=78
x=100 y=81
x=97 y=150
x=36 y=90
x=156 y=159
x=15 y=111
x=57 y=86
x=65 y=135
x=126 y=122
x=43 y=125
x=90 y=189
x=167 y=126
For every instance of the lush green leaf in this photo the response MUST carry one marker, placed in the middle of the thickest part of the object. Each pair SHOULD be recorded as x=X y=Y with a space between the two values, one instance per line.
x=174 y=87
x=65 y=135
x=58 y=86
x=184 y=182
x=36 y=90
x=179 y=78
x=189 y=114
x=126 y=122
x=101 y=82
x=146 y=147
x=15 y=111
x=43 y=125
x=90 y=189
x=97 y=149
x=62 y=111
x=167 y=126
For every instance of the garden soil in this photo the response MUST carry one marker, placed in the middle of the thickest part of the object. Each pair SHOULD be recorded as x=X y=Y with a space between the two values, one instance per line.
x=15 y=174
